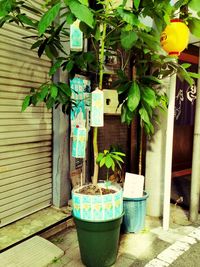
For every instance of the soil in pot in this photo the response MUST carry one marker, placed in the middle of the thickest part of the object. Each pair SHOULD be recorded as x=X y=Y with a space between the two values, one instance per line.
x=95 y=190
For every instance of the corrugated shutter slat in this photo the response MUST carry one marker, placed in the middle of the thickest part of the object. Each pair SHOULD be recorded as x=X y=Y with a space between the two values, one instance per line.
x=25 y=137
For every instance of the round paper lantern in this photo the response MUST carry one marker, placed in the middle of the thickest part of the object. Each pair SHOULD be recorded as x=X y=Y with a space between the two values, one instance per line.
x=175 y=37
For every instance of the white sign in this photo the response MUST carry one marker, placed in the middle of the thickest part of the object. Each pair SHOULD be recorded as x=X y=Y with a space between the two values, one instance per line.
x=133 y=185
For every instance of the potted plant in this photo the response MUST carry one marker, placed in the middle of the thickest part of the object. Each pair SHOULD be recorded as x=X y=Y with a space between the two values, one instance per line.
x=102 y=201
x=134 y=214
x=112 y=28
x=98 y=215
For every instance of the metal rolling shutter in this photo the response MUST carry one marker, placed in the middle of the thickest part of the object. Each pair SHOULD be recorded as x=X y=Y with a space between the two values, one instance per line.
x=25 y=138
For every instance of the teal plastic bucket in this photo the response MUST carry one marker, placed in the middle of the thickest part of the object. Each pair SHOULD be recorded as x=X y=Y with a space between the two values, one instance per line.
x=134 y=214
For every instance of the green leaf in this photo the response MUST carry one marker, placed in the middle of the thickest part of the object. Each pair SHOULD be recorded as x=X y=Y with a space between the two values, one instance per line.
x=113 y=166
x=3 y=13
x=53 y=91
x=152 y=78
x=48 y=52
x=151 y=41
x=26 y=102
x=126 y=114
x=36 y=44
x=166 y=18
x=65 y=89
x=48 y=18
x=119 y=165
x=180 y=3
x=84 y=2
x=194 y=5
x=149 y=129
x=42 y=48
x=148 y=108
x=97 y=34
x=70 y=18
x=50 y=102
x=43 y=93
x=194 y=26
x=55 y=67
x=144 y=115
x=35 y=98
x=117 y=158
x=108 y=161
x=128 y=16
x=53 y=50
x=4 y=19
x=186 y=65
x=69 y=65
x=128 y=39
x=82 y=12
x=99 y=158
x=5 y=7
x=136 y=3
x=122 y=88
x=24 y=19
x=102 y=162
x=119 y=153
x=133 y=96
x=89 y=57
x=149 y=96
x=183 y=74
x=194 y=75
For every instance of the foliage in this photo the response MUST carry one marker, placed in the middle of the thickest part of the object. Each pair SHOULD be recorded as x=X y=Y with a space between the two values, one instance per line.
x=108 y=27
x=110 y=159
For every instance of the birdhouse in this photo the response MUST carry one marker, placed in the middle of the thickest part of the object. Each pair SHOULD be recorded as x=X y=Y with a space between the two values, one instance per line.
x=174 y=39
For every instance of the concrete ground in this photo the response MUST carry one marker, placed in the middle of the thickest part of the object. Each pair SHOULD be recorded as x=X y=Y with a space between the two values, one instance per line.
x=151 y=247
x=190 y=258
x=33 y=224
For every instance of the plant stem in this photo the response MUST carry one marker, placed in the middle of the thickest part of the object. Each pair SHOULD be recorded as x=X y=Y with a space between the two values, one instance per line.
x=101 y=57
x=101 y=71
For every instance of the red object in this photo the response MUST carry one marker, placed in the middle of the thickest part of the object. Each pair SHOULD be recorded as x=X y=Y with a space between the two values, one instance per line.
x=176 y=20
x=173 y=53
x=189 y=58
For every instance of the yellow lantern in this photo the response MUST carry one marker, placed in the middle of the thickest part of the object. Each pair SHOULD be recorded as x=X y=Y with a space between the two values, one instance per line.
x=174 y=39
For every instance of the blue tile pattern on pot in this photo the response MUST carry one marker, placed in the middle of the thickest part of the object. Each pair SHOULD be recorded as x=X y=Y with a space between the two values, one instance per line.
x=97 y=208
x=85 y=207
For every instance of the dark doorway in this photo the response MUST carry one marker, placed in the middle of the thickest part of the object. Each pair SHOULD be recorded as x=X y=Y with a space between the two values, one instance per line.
x=184 y=129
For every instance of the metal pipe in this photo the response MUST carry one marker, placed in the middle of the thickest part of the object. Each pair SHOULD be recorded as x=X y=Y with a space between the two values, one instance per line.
x=168 y=152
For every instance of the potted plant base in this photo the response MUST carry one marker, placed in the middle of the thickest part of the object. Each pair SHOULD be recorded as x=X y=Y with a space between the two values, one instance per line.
x=98 y=213
x=134 y=214
x=98 y=219
x=98 y=241
x=98 y=207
